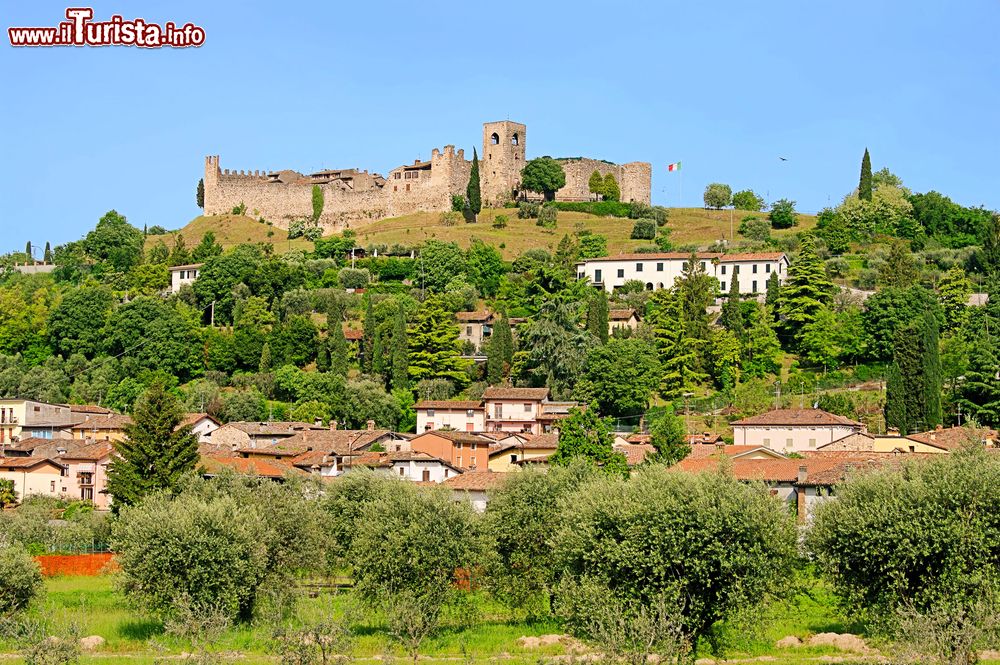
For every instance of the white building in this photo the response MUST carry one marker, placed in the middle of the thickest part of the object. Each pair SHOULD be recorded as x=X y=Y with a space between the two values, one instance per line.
x=181 y=275
x=793 y=430
x=658 y=271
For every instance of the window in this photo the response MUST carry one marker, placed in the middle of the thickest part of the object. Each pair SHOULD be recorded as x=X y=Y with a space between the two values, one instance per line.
x=597 y=276
x=468 y=330
x=472 y=461
x=638 y=267
x=736 y=270
x=494 y=138
x=754 y=266
x=513 y=459
x=684 y=266
x=722 y=269
x=527 y=407
x=407 y=188
x=514 y=140
x=789 y=444
x=754 y=286
x=470 y=413
x=86 y=493
x=473 y=446
x=723 y=286
x=459 y=460
x=621 y=272
x=659 y=267
x=767 y=267
x=703 y=265
x=402 y=471
x=397 y=175
x=430 y=413
x=767 y=443
x=52 y=486
x=426 y=475
x=812 y=443
x=458 y=445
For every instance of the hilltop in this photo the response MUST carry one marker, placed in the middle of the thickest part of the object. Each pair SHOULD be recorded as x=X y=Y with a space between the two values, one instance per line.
x=687 y=226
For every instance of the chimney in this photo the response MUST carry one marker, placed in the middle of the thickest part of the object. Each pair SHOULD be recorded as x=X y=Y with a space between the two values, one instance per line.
x=939 y=428
x=317 y=422
x=803 y=474
x=371 y=425
x=720 y=448
x=333 y=425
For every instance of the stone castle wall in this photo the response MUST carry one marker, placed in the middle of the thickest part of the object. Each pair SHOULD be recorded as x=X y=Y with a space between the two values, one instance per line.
x=423 y=186
x=634 y=179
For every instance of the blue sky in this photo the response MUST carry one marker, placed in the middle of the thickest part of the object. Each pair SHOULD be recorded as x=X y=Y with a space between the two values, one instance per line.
x=724 y=87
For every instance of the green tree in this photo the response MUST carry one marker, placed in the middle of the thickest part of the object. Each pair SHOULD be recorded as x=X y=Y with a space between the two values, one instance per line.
x=747 y=199
x=157 y=449
x=888 y=310
x=485 y=267
x=620 y=376
x=438 y=264
x=499 y=351
x=783 y=215
x=207 y=248
x=400 y=352
x=717 y=195
x=953 y=294
x=806 y=291
x=434 y=348
x=473 y=194
x=179 y=255
x=595 y=185
x=941 y=507
x=585 y=435
x=114 y=241
x=712 y=546
x=669 y=436
x=760 y=353
x=731 y=317
x=610 y=189
x=552 y=348
x=755 y=228
x=199 y=196
x=543 y=175
x=336 y=345
x=20 y=579
x=8 y=493
x=899 y=269
x=979 y=392
x=865 y=184
x=156 y=335
x=593 y=246
x=369 y=325
x=76 y=324
x=913 y=382
x=725 y=351
x=47 y=256
x=317 y=202
x=597 y=315
x=681 y=351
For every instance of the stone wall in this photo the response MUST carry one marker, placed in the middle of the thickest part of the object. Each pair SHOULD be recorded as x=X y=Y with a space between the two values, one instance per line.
x=634 y=179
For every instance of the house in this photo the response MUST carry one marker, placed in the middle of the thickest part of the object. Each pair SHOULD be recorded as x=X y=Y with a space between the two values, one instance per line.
x=409 y=465
x=202 y=425
x=26 y=417
x=240 y=434
x=940 y=440
x=101 y=427
x=475 y=327
x=514 y=409
x=701 y=450
x=704 y=438
x=635 y=453
x=34 y=476
x=181 y=275
x=462 y=415
x=329 y=452
x=278 y=471
x=85 y=463
x=464 y=450
x=623 y=320
x=659 y=270
x=553 y=412
x=512 y=454
x=474 y=487
x=793 y=430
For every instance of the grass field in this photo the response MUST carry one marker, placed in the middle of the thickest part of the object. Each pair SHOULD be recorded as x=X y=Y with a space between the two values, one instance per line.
x=94 y=607
x=688 y=226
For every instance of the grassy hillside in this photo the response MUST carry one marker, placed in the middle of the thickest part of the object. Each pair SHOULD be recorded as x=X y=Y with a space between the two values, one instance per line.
x=231 y=230
x=688 y=226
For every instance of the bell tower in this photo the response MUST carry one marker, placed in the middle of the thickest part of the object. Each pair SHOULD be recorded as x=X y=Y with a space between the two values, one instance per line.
x=501 y=160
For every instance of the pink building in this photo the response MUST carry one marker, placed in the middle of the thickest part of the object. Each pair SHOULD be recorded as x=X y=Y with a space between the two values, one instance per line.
x=514 y=409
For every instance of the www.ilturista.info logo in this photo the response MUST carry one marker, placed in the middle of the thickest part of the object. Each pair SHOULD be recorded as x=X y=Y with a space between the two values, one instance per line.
x=80 y=30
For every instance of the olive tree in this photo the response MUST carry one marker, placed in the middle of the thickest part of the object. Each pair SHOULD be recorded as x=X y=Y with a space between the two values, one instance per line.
x=717 y=195
x=915 y=551
x=694 y=549
x=20 y=579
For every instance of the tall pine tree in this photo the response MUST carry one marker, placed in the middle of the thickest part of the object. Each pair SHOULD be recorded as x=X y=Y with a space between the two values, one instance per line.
x=806 y=291
x=979 y=394
x=400 y=352
x=597 y=315
x=367 y=337
x=473 y=194
x=731 y=317
x=48 y=252
x=865 y=184
x=913 y=382
x=156 y=452
x=434 y=351
x=499 y=351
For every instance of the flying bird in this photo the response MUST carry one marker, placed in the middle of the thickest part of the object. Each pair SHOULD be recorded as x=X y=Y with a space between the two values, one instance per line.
x=784 y=159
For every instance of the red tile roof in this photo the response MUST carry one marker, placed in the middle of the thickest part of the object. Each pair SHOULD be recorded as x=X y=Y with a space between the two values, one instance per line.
x=953 y=438
x=635 y=453
x=104 y=421
x=453 y=404
x=353 y=335
x=818 y=471
x=621 y=314
x=474 y=317
x=26 y=462
x=271 y=428
x=801 y=417
x=475 y=481
x=499 y=392
x=253 y=466
x=724 y=258
x=702 y=450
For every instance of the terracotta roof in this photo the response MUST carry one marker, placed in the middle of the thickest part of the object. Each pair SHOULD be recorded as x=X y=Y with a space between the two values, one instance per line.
x=704 y=437
x=88 y=408
x=353 y=335
x=541 y=459
x=109 y=421
x=373 y=460
x=803 y=417
x=474 y=317
x=193 y=418
x=952 y=438
x=541 y=441
x=702 y=450
x=635 y=453
x=638 y=438
x=273 y=428
x=329 y=441
x=253 y=466
x=819 y=471
x=475 y=481
x=456 y=436
x=621 y=314
x=26 y=462
x=499 y=392
x=443 y=404
x=706 y=256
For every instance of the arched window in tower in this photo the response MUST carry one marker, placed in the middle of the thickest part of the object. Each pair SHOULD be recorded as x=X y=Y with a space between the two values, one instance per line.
x=494 y=138
x=514 y=140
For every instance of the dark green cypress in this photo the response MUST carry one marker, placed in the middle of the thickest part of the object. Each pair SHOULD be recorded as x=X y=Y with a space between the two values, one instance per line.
x=499 y=351
x=27 y=249
x=199 y=196
x=400 y=352
x=597 y=315
x=367 y=337
x=48 y=252
x=472 y=192
x=931 y=372
x=865 y=185
x=731 y=317
x=337 y=350
x=378 y=356
x=906 y=388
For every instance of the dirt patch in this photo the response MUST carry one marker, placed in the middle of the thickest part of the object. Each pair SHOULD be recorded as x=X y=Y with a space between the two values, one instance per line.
x=788 y=642
x=842 y=641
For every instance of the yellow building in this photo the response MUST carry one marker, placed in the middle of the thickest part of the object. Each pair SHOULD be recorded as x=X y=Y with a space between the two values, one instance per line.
x=101 y=427
x=513 y=455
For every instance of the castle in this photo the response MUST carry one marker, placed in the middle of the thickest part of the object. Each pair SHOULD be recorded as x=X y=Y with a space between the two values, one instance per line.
x=351 y=195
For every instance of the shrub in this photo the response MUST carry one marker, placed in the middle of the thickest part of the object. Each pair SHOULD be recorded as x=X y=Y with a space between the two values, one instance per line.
x=354 y=278
x=593 y=246
x=755 y=228
x=527 y=210
x=500 y=222
x=643 y=229
x=547 y=217
x=783 y=215
x=747 y=199
x=20 y=579
x=450 y=218
x=599 y=208
x=457 y=203
x=241 y=209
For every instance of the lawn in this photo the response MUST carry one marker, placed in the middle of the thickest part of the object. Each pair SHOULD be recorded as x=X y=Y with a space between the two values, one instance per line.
x=483 y=631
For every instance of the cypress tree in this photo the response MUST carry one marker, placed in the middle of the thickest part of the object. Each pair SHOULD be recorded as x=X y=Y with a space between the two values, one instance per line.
x=473 y=193
x=499 y=351
x=265 y=358
x=367 y=337
x=378 y=355
x=931 y=372
x=907 y=389
x=27 y=249
x=199 y=196
x=731 y=316
x=337 y=350
x=323 y=355
x=400 y=352
x=156 y=451
x=48 y=252
x=865 y=185
x=597 y=315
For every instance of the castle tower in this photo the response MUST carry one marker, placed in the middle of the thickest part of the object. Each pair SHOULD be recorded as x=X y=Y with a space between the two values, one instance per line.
x=501 y=160
x=211 y=183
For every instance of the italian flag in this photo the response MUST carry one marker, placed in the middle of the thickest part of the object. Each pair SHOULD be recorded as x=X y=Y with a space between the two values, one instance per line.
x=676 y=166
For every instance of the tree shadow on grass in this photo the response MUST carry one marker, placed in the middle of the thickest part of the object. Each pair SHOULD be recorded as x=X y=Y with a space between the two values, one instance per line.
x=140 y=629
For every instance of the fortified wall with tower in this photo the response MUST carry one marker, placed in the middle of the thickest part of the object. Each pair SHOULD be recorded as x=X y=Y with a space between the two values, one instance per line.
x=352 y=195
